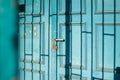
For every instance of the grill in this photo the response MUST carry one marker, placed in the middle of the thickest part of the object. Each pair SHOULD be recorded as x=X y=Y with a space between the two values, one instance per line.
x=69 y=39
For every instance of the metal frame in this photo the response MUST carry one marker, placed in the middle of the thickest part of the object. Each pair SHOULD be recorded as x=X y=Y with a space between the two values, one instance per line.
x=68 y=23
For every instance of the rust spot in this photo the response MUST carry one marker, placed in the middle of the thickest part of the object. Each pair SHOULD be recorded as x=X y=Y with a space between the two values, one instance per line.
x=53 y=45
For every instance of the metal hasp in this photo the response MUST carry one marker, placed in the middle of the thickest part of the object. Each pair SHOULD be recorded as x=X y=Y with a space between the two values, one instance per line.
x=57 y=40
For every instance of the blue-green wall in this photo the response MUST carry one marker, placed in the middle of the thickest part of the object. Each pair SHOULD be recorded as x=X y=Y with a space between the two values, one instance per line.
x=8 y=39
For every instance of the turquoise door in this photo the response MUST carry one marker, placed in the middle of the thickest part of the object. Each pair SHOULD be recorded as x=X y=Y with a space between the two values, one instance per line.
x=34 y=39
x=69 y=39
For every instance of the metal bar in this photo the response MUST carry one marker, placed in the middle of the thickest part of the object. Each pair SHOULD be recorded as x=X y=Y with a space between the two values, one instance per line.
x=53 y=15
x=109 y=34
x=103 y=39
x=94 y=78
x=81 y=39
x=76 y=74
x=48 y=40
x=44 y=55
x=30 y=22
x=30 y=70
x=24 y=38
x=114 y=38
x=86 y=32
x=30 y=13
x=61 y=55
x=32 y=36
x=70 y=64
x=57 y=39
x=67 y=36
x=91 y=39
x=28 y=54
x=30 y=61
x=40 y=39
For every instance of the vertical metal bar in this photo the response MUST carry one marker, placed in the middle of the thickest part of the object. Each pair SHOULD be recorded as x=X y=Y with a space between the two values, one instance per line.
x=81 y=39
x=91 y=39
x=40 y=39
x=70 y=24
x=24 y=39
x=103 y=39
x=56 y=37
x=114 y=38
x=67 y=44
x=49 y=41
x=32 y=36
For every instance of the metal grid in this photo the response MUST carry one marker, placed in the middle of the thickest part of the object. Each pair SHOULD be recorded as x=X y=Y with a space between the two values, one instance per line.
x=23 y=14
x=68 y=17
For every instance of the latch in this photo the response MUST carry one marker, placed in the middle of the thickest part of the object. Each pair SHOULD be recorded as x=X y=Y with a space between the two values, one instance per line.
x=57 y=40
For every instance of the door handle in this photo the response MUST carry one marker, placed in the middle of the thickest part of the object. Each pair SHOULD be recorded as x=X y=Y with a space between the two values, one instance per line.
x=56 y=40
x=59 y=40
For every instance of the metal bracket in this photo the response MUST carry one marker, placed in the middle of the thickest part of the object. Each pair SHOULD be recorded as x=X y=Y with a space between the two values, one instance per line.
x=57 y=40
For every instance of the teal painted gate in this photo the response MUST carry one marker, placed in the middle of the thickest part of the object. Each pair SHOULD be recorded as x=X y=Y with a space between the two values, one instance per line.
x=69 y=39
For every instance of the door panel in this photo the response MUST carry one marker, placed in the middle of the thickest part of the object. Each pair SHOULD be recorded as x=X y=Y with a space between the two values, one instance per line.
x=104 y=41
x=75 y=40
x=34 y=40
